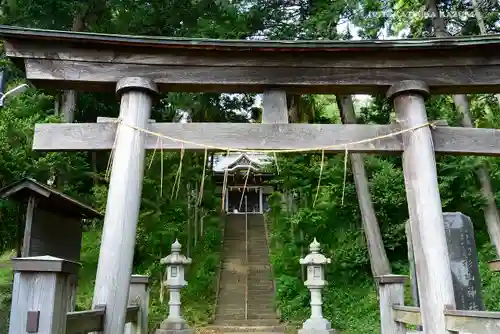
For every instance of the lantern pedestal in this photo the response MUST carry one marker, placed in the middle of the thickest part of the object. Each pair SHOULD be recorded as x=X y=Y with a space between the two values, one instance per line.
x=168 y=327
x=175 y=324
x=316 y=326
x=315 y=282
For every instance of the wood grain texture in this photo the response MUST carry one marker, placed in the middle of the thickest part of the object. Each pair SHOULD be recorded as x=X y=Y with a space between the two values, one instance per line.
x=157 y=42
x=425 y=211
x=48 y=199
x=473 y=321
x=139 y=295
x=56 y=236
x=122 y=212
x=85 y=321
x=378 y=258
x=409 y=315
x=100 y=136
x=389 y=295
x=135 y=83
x=116 y=54
x=30 y=213
x=82 y=75
x=44 y=292
x=411 y=261
x=132 y=313
x=274 y=107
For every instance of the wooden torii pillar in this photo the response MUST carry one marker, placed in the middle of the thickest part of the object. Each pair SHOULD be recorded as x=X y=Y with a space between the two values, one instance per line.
x=424 y=205
x=124 y=197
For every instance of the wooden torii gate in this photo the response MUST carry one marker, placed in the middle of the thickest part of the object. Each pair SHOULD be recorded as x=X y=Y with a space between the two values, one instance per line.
x=139 y=67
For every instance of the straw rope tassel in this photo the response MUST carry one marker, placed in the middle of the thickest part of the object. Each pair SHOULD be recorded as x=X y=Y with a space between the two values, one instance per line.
x=202 y=185
x=107 y=175
x=320 y=175
x=345 y=175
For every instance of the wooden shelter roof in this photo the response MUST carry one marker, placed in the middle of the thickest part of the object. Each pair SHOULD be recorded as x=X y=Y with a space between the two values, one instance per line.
x=48 y=199
x=91 y=61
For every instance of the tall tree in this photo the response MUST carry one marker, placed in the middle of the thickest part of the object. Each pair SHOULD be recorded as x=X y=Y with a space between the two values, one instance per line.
x=378 y=258
x=461 y=102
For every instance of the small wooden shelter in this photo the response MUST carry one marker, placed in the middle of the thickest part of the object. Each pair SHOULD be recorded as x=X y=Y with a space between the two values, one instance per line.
x=53 y=220
x=53 y=223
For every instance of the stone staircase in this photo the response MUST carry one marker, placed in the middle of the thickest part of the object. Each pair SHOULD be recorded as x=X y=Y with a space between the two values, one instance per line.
x=239 y=278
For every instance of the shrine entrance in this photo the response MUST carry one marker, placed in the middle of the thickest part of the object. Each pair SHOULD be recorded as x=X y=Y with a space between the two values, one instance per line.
x=240 y=200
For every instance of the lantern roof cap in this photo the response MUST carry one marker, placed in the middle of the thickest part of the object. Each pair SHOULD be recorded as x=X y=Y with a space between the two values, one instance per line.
x=315 y=257
x=176 y=257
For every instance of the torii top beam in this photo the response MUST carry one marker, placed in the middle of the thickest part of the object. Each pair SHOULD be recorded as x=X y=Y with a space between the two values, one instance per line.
x=89 y=61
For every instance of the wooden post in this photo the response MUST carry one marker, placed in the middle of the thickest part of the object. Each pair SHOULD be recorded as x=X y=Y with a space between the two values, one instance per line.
x=40 y=294
x=274 y=107
x=27 y=226
x=139 y=295
x=122 y=209
x=424 y=205
x=411 y=262
x=391 y=292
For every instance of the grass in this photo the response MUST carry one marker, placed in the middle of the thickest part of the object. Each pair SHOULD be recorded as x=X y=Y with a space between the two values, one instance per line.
x=197 y=298
x=5 y=289
x=352 y=307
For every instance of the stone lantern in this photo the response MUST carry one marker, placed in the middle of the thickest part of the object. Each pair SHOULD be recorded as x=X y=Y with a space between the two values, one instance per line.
x=176 y=263
x=315 y=262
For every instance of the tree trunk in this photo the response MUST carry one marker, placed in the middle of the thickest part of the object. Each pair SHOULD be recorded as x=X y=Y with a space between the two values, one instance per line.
x=482 y=28
x=378 y=258
x=461 y=102
x=68 y=101
x=479 y=17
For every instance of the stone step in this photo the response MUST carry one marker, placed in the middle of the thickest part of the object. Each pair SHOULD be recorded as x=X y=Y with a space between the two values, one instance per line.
x=264 y=302
x=246 y=269
x=262 y=316
x=235 y=329
x=249 y=323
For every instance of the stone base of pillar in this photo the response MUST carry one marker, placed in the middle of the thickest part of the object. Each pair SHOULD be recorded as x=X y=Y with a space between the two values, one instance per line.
x=174 y=326
x=316 y=326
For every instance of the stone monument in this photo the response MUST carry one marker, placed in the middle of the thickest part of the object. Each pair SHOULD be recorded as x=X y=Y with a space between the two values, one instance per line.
x=463 y=261
x=174 y=323
x=315 y=262
x=464 y=265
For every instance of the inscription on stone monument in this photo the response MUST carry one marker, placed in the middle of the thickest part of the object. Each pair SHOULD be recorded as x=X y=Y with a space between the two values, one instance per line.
x=463 y=262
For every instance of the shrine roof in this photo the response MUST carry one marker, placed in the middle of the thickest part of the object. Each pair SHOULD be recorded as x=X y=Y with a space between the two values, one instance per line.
x=92 y=39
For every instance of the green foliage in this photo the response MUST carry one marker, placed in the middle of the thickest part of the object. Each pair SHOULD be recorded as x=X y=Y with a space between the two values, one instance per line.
x=329 y=212
x=334 y=219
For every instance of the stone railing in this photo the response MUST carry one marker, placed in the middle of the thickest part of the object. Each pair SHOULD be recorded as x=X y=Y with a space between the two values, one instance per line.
x=40 y=300
x=394 y=316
